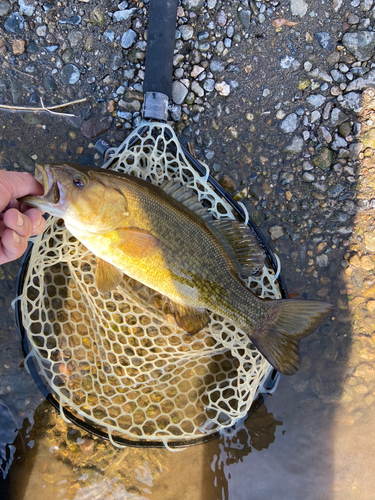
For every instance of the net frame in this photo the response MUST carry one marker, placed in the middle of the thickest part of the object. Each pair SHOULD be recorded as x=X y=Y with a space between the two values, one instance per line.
x=228 y=373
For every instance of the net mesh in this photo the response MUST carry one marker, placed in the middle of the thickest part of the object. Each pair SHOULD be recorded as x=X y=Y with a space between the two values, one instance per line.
x=119 y=359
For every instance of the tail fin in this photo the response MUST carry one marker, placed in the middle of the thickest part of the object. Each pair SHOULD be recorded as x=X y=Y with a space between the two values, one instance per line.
x=287 y=322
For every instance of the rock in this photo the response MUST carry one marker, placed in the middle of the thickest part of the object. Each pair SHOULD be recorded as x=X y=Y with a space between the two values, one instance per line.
x=222 y=18
x=216 y=66
x=298 y=7
x=227 y=183
x=367 y=263
x=128 y=39
x=97 y=16
x=15 y=24
x=222 y=88
x=244 y=17
x=308 y=177
x=187 y=31
x=129 y=105
x=289 y=62
x=352 y=101
x=369 y=240
x=295 y=146
x=123 y=15
x=96 y=126
x=362 y=82
x=368 y=139
x=116 y=60
x=70 y=74
x=276 y=232
x=325 y=40
x=337 y=4
x=209 y=84
x=286 y=178
x=361 y=44
x=179 y=92
x=322 y=260
x=27 y=7
x=197 y=89
x=5 y=8
x=193 y=4
x=75 y=38
x=324 y=159
x=303 y=84
x=50 y=83
x=18 y=47
x=316 y=100
x=109 y=35
x=289 y=124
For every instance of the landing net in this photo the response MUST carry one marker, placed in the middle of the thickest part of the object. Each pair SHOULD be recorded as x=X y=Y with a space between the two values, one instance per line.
x=119 y=360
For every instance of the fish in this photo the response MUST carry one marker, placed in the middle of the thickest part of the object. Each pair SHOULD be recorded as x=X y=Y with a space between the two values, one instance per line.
x=164 y=238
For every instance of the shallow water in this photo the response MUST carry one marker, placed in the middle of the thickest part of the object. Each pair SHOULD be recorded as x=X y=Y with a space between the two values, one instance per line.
x=312 y=439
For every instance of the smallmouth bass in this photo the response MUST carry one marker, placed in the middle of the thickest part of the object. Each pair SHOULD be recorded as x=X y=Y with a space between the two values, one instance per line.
x=163 y=238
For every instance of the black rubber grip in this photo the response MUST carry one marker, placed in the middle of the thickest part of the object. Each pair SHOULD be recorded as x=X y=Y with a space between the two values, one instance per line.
x=160 y=46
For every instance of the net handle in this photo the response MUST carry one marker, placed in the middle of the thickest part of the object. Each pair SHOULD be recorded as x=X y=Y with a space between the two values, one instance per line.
x=161 y=36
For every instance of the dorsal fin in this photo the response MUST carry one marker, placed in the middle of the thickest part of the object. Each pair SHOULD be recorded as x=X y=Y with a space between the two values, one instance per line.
x=187 y=197
x=238 y=240
x=241 y=245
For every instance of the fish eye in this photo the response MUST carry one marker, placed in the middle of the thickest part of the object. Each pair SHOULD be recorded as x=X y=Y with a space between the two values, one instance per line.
x=79 y=182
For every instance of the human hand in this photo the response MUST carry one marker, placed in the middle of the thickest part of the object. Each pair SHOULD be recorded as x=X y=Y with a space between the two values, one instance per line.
x=17 y=221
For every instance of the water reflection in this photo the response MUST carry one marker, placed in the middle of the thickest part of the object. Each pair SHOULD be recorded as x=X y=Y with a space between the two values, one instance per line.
x=65 y=462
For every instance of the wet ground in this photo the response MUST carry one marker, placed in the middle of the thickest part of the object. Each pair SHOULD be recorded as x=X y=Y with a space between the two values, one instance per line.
x=291 y=135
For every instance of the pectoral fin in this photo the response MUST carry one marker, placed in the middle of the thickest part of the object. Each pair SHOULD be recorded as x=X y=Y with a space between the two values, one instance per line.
x=107 y=276
x=136 y=242
x=190 y=319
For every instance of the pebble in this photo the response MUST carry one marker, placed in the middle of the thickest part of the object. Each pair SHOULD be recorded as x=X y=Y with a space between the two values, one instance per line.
x=352 y=101
x=209 y=84
x=15 y=24
x=27 y=7
x=187 y=32
x=244 y=16
x=276 y=232
x=362 y=82
x=298 y=7
x=70 y=74
x=123 y=15
x=316 y=100
x=128 y=39
x=361 y=44
x=289 y=62
x=109 y=35
x=193 y=4
x=289 y=124
x=222 y=18
x=222 y=88
x=18 y=47
x=96 y=126
x=295 y=146
x=5 y=8
x=369 y=241
x=179 y=92
x=325 y=40
x=322 y=260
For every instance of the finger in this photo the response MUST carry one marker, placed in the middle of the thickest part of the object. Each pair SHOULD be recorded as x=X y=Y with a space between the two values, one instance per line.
x=13 y=219
x=38 y=222
x=12 y=246
x=17 y=184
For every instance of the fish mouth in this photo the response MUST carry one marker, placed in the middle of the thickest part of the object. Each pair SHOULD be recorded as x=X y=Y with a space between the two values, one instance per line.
x=46 y=176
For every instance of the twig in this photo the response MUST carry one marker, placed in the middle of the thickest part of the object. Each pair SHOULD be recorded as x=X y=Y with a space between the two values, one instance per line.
x=48 y=109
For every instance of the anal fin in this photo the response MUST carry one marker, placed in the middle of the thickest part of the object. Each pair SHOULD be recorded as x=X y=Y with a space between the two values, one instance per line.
x=190 y=319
